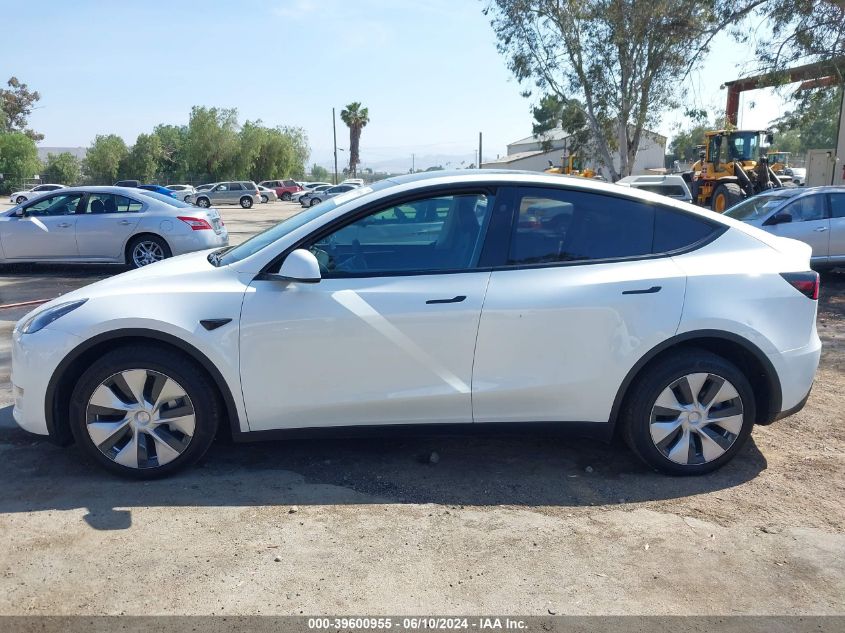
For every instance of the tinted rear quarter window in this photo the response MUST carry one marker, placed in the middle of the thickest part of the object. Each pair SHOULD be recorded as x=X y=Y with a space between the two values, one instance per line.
x=674 y=230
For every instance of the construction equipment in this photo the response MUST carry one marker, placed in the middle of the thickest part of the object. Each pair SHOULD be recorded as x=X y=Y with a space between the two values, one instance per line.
x=571 y=166
x=732 y=166
x=778 y=161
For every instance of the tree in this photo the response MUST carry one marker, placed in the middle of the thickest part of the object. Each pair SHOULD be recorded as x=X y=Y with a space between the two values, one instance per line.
x=173 y=163
x=105 y=157
x=620 y=62
x=683 y=145
x=144 y=159
x=565 y=114
x=64 y=168
x=16 y=104
x=18 y=159
x=813 y=123
x=213 y=142
x=356 y=118
x=319 y=173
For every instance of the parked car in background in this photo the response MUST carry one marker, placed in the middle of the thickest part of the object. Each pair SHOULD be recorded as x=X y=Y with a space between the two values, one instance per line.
x=316 y=197
x=116 y=225
x=242 y=192
x=283 y=188
x=22 y=196
x=797 y=174
x=354 y=181
x=128 y=183
x=182 y=191
x=205 y=187
x=670 y=185
x=814 y=215
x=267 y=195
x=425 y=299
x=161 y=190
x=296 y=197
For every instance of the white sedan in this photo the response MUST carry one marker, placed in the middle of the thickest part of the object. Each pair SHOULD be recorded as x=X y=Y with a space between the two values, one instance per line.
x=22 y=196
x=470 y=298
x=109 y=225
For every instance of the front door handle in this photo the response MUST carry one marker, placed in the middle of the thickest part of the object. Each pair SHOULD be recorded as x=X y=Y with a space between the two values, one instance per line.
x=124 y=222
x=642 y=291
x=63 y=225
x=821 y=229
x=457 y=299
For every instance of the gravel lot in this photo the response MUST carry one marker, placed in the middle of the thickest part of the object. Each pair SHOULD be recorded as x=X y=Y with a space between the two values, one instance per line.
x=527 y=526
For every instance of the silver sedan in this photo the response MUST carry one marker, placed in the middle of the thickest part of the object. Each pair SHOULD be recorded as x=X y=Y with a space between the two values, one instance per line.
x=115 y=225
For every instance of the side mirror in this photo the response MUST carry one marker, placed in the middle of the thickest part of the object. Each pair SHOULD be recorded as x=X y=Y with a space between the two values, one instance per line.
x=301 y=266
x=779 y=218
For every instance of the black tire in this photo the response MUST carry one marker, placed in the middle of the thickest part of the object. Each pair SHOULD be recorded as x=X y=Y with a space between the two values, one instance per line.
x=636 y=415
x=201 y=391
x=20 y=199
x=314 y=201
x=286 y=196
x=203 y=202
x=730 y=192
x=246 y=202
x=131 y=258
x=264 y=198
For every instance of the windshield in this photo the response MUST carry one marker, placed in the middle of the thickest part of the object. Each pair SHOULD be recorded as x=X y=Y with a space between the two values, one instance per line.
x=274 y=233
x=743 y=146
x=758 y=207
x=173 y=202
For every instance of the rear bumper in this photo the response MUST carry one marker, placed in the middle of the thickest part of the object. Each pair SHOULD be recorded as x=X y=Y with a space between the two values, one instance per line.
x=796 y=371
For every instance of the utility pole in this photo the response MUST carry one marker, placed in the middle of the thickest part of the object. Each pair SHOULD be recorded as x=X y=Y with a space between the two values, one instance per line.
x=479 y=150
x=334 y=134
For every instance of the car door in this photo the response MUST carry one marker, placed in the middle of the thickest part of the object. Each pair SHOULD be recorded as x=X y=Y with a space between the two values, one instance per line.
x=220 y=193
x=386 y=337
x=836 y=200
x=809 y=223
x=104 y=223
x=576 y=300
x=46 y=230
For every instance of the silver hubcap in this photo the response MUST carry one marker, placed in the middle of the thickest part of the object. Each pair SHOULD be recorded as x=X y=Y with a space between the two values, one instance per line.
x=203 y=203
x=140 y=418
x=696 y=419
x=147 y=253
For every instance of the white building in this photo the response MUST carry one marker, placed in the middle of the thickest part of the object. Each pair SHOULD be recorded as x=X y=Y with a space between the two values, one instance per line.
x=528 y=154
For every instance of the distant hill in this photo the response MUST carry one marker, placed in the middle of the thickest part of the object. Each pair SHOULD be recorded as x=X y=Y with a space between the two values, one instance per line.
x=79 y=152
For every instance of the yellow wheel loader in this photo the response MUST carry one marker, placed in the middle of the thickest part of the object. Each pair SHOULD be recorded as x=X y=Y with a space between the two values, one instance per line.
x=572 y=166
x=731 y=167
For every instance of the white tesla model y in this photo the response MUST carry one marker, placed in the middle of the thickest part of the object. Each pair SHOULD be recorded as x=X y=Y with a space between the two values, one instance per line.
x=475 y=297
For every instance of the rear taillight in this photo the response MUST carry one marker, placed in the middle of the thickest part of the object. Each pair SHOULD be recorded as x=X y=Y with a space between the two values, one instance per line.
x=806 y=283
x=196 y=224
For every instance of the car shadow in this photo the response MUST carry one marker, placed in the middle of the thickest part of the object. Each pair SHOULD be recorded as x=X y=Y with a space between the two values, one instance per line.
x=530 y=470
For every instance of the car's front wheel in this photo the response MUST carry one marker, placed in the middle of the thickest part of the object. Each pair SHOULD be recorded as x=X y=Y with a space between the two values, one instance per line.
x=314 y=201
x=144 y=411
x=203 y=202
x=286 y=196
x=689 y=413
x=246 y=202
x=20 y=199
x=265 y=199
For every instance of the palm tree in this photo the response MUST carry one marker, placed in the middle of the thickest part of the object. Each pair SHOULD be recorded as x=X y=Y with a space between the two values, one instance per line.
x=355 y=118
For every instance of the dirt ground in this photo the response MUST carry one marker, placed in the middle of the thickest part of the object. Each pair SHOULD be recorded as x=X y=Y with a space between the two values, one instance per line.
x=527 y=526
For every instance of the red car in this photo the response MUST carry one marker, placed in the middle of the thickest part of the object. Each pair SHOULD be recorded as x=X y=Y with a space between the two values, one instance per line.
x=283 y=188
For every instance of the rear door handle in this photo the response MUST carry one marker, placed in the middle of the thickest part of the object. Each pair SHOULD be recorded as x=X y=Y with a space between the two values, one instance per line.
x=457 y=299
x=124 y=222
x=63 y=225
x=821 y=229
x=642 y=291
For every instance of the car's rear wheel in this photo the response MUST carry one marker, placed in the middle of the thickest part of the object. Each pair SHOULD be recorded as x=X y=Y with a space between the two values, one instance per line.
x=265 y=199
x=203 y=202
x=147 y=249
x=144 y=411
x=185 y=199
x=20 y=199
x=286 y=196
x=689 y=414
x=246 y=202
x=314 y=201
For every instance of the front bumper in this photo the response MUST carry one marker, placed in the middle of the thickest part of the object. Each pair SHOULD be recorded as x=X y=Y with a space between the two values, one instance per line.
x=35 y=358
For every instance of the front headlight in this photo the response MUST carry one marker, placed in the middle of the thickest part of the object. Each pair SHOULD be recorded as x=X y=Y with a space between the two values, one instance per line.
x=44 y=318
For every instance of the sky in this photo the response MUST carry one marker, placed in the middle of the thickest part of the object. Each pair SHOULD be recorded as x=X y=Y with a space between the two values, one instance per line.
x=428 y=71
